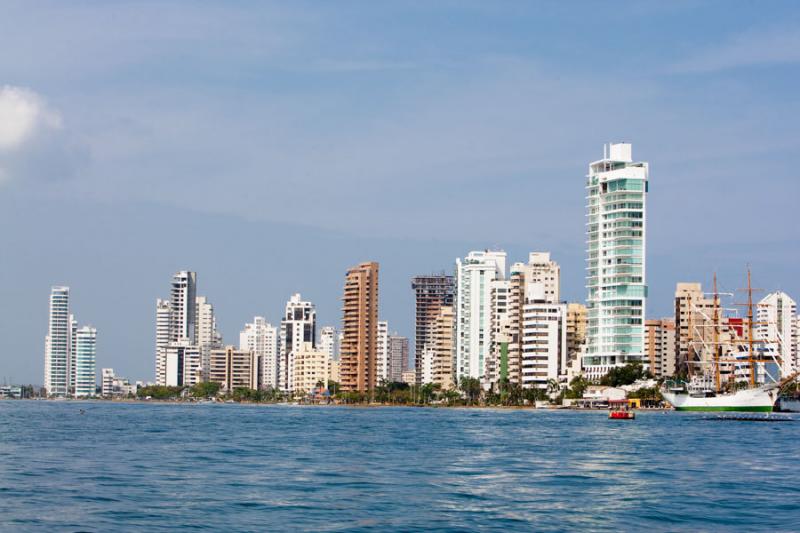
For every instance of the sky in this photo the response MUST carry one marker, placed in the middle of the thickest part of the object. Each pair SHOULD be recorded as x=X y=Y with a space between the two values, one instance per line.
x=269 y=146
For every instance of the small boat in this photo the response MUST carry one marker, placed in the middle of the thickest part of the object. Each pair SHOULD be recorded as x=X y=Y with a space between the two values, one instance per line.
x=619 y=410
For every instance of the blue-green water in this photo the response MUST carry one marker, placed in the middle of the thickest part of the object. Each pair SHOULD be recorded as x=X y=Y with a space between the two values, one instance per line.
x=277 y=468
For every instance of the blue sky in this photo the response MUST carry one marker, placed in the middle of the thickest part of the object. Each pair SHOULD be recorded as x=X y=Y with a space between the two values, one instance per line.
x=269 y=146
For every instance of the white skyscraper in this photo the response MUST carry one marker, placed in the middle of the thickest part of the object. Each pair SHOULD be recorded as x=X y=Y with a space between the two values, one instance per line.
x=206 y=333
x=616 y=191
x=85 y=355
x=180 y=359
x=58 y=344
x=73 y=327
x=383 y=351
x=474 y=276
x=777 y=325
x=298 y=326
x=162 y=339
x=261 y=338
x=183 y=306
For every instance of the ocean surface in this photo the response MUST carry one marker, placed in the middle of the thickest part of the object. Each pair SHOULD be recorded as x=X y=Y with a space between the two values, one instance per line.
x=287 y=468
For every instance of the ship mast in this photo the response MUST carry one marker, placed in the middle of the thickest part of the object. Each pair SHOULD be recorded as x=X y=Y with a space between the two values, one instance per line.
x=715 y=322
x=690 y=345
x=750 y=358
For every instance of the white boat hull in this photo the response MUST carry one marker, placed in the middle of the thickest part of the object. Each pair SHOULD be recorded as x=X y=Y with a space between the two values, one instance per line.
x=759 y=400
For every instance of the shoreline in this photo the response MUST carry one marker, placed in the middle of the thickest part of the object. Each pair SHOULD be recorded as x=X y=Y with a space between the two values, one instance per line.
x=344 y=405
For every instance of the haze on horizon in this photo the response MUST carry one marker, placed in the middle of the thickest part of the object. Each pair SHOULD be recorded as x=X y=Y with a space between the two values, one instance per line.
x=269 y=146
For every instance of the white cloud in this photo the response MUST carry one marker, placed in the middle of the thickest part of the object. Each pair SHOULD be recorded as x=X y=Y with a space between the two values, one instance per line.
x=752 y=48
x=23 y=113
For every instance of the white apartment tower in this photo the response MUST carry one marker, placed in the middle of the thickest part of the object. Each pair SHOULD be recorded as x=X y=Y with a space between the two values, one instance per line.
x=474 y=277
x=85 y=360
x=162 y=339
x=58 y=344
x=206 y=324
x=180 y=358
x=616 y=190
x=261 y=338
x=298 y=326
x=777 y=325
x=383 y=351
x=538 y=352
x=183 y=306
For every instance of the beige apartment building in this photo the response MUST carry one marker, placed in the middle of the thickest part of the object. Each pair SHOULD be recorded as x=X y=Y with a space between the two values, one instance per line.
x=233 y=368
x=660 y=346
x=444 y=348
x=311 y=366
x=359 y=350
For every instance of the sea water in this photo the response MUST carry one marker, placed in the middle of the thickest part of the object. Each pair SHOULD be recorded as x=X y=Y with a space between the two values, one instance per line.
x=102 y=466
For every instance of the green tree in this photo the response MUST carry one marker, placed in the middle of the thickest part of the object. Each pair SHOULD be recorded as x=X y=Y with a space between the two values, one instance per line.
x=625 y=375
x=206 y=389
x=576 y=388
x=159 y=392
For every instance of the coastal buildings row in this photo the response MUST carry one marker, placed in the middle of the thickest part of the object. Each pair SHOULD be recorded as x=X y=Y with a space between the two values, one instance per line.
x=483 y=321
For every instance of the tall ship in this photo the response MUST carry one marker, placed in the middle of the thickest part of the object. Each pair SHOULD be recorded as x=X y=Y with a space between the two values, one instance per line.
x=728 y=368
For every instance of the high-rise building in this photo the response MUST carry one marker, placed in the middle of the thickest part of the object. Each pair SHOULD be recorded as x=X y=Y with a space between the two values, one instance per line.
x=58 y=344
x=261 y=338
x=397 y=357
x=537 y=349
x=298 y=326
x=180 y=357
x=431 y=292
x=206 y=333
x=497 y=364
x=183 y=306
x=206 y=336
x=233 y=368
x=383 y=351
x=85 y=355
x=163 y=332
x=474 y=277
x=661 y=347
x=777 y=326
x=444 y=330
x=359 y=350
x=616 y=189
x=73 y=328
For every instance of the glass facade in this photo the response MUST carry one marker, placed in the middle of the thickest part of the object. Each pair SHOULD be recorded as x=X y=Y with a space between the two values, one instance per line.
x=615 y=270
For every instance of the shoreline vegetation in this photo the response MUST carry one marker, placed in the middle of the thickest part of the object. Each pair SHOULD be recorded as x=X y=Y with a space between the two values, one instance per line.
x=469 y=393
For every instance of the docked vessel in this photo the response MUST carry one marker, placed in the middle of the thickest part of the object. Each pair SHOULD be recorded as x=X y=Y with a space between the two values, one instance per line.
x=716 y=387
x=759 y=399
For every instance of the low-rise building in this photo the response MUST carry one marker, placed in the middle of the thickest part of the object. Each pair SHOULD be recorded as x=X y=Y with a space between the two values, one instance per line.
x=311 y=366
x=233 y=368
x=113 y=385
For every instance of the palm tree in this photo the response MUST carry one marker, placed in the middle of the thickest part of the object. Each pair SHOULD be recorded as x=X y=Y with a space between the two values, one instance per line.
x=471 y=387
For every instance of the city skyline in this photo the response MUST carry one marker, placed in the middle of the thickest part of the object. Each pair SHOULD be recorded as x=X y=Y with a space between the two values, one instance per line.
x=187 y=157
